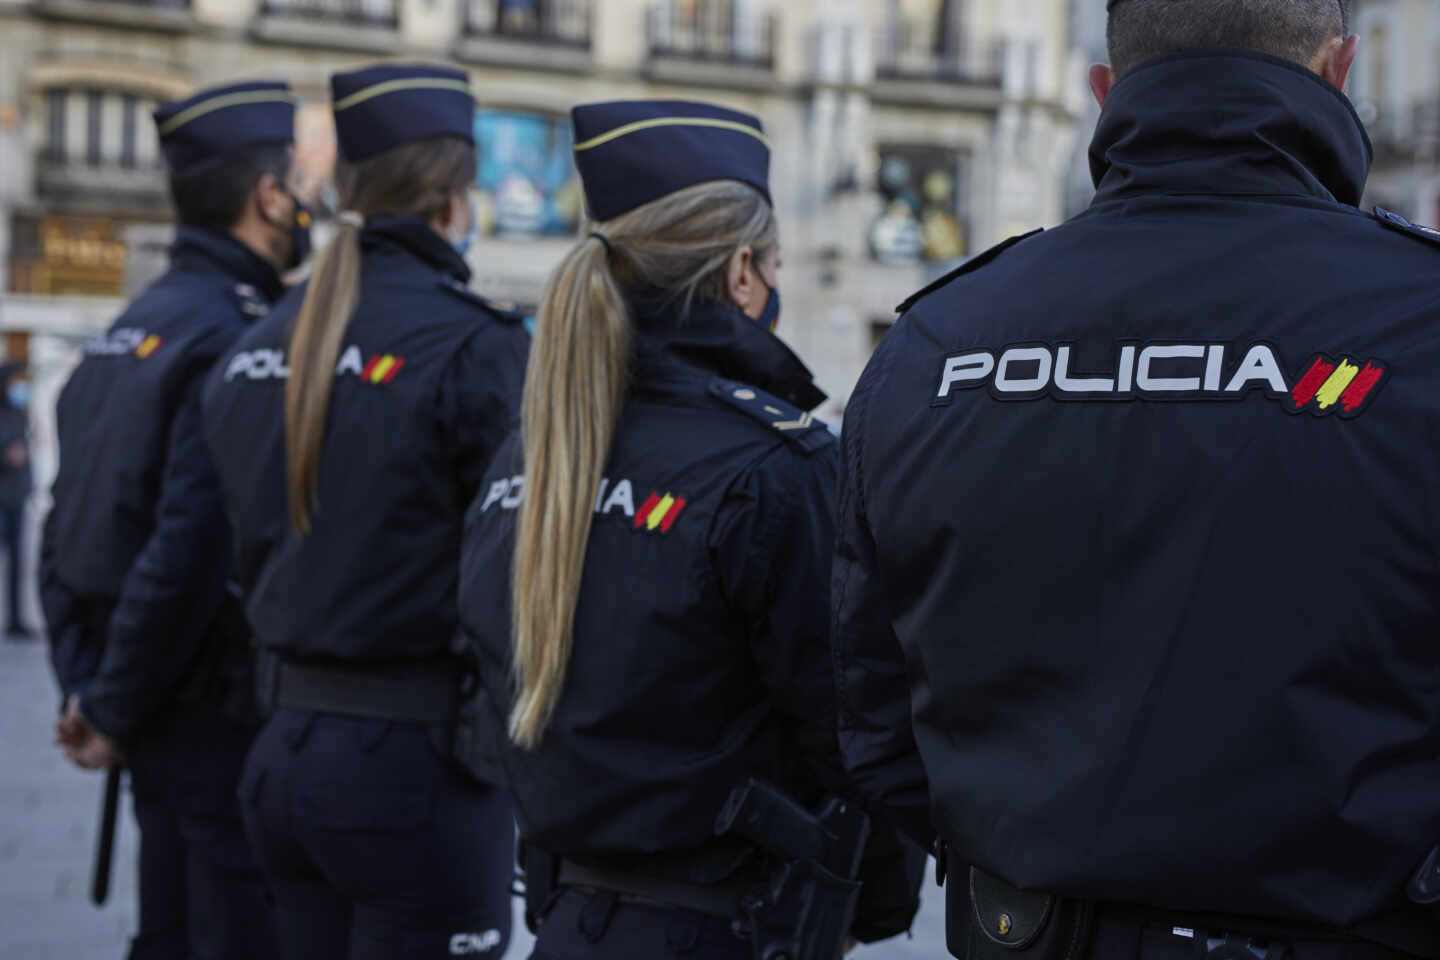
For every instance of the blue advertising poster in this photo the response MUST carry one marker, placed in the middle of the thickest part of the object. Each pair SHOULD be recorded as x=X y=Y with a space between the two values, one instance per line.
x=526 y=183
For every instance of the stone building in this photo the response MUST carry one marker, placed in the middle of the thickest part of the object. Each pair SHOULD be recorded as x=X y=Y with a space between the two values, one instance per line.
x=907 y=134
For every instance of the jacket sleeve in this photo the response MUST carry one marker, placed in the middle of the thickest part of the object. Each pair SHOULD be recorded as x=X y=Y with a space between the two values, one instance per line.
x=771 y=546
x=871 y=678
x=171 y=596
x=479 y=399
x=74 y=647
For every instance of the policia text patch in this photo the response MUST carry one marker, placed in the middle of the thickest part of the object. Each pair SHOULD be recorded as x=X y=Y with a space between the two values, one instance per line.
x=1325 y=384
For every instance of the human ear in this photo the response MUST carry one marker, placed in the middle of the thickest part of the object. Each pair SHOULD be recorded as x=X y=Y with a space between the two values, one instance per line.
x=1102 y=78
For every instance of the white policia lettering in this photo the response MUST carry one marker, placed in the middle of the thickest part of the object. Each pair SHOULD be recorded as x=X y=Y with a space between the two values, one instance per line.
x=1026 y=371
x=509 y=493
x=267 y=363
x=466 y=944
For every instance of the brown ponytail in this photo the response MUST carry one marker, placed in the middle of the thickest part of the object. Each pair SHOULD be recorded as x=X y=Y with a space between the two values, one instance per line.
x=574 y=390
x=413 y=179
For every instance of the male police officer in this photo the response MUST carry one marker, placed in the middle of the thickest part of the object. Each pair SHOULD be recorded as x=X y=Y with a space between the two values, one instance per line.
x=1148 y=502
x=149 y=642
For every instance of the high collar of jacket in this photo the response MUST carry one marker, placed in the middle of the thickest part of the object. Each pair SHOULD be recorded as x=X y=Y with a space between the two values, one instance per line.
x=718 y=339
x=418 y=238
x=197 y=248
x=1228 y=124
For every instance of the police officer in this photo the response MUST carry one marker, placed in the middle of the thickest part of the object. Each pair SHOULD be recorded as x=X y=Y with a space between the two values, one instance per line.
x=1145 y=506
x=351 y=428
x=149 y=642
x=666 y=509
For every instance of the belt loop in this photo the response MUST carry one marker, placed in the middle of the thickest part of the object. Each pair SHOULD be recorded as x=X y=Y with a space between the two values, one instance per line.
x=595 y=916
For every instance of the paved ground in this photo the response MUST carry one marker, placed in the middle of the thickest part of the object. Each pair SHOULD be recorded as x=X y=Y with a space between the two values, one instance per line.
x=48 y=812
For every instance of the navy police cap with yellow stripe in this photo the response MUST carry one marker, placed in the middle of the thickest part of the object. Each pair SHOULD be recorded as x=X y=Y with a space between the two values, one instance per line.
x=631 y=152
x=382 y=107
x=219 y=120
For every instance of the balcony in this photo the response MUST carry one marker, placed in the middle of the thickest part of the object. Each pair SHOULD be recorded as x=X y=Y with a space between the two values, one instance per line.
x=722 y=43
x=165 y=16
x=100 y=153
x=917 y=64
x=539 y=34
x=367 y=26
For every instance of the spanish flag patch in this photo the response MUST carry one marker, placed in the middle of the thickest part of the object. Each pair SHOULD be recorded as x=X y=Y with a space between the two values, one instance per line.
x=659 y=512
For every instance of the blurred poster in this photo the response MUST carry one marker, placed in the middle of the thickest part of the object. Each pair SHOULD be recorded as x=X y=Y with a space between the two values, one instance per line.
x=920 y=220
x=526 y=181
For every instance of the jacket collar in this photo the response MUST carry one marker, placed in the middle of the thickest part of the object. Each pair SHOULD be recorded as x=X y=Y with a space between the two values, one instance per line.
x=413 y=235
x=1228 y=123
x=198 y=248
x=717 y=339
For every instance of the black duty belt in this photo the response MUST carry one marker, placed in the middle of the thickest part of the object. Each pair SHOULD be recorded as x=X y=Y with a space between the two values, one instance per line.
x=423 y=692
x=718 y=900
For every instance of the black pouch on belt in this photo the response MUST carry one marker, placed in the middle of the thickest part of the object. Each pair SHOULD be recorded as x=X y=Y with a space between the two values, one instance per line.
x=988 y=919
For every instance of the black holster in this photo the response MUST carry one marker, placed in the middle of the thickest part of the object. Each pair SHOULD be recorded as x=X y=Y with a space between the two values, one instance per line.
x=542 y=881
x=988 y=919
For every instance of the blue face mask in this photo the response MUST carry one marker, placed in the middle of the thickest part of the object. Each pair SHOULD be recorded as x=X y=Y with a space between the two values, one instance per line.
x=19 y=394
x=770 y=317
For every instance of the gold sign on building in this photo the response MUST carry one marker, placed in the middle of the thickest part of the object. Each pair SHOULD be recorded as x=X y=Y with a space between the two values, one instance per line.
x=78 y=256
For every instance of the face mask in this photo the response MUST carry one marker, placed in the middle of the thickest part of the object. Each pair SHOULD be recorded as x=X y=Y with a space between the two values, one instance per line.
x=467 y=240
x=19 y=394
x=770 y=317
x=299 y=234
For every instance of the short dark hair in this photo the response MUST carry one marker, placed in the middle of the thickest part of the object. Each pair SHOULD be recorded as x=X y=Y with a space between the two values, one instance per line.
x=1141 y=30
x=211 y=194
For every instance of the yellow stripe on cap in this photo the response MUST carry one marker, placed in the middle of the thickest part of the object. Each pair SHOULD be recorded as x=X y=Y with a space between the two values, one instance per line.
x=205 y=107
x=408 y=83
x=639 y=125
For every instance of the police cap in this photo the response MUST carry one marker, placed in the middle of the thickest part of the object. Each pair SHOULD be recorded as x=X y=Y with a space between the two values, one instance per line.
x=221 y=119
x=382 y=107
x=631 y=152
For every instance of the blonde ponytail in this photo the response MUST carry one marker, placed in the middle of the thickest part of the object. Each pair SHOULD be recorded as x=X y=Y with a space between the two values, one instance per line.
x=314 y=351
x=415 y=179
x=575 y=387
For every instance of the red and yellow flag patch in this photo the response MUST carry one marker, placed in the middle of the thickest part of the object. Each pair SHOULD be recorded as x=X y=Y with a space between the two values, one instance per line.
x=382 y=368
x=1332 y=386
x=148 y=346
x=659 y=513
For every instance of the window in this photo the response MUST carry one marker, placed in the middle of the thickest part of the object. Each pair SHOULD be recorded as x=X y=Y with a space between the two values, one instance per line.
x=55 y=106
x=558 y=21
x=921 y=194
x=380 y=12
x=733 y=31
x=93 y=133
x=127 y=131
x=526 y=184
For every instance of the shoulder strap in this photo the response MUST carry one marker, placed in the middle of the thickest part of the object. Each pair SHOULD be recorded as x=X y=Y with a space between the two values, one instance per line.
x=969 y=266
x=1394 y=221
x=794 y=424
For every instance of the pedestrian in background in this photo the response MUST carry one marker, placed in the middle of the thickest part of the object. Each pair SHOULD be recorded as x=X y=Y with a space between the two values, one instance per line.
x=645 y=575
x=16 y=482
x=147 y=634
x=350 y=428
x=1136 y=585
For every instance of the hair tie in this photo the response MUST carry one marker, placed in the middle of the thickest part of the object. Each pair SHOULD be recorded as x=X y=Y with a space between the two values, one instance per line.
x=351 y=218
x=604 y=240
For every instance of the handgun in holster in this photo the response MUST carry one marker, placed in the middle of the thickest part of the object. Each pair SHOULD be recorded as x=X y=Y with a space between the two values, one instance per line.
x=806 y=910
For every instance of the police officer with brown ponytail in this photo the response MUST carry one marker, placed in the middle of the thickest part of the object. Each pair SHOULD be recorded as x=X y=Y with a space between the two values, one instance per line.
x=350 y=430
x=649 y=560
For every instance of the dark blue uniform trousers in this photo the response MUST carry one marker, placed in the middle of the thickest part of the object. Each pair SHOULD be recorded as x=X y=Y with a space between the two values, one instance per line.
x=202 y=896
x=1127 y=939
x=374 y=844
x=596 y=925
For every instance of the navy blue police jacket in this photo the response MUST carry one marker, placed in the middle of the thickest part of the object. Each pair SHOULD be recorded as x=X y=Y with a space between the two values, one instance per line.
x=701 y=647
x=1138 y=525
x=427 y=385
x=135 y=573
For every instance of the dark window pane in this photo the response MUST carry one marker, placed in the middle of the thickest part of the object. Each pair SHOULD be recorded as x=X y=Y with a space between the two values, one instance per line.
x=55 y=100
x=96 y=101
x=127 y=131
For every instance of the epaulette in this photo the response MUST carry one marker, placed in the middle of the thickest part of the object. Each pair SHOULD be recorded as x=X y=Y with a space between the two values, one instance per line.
x=252 y=304
x=794 y=424
x=505 y=312
x=1394 y=221
x=974 y=263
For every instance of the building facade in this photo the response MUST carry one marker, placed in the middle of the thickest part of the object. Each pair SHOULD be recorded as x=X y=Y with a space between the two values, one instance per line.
x=908 y=135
